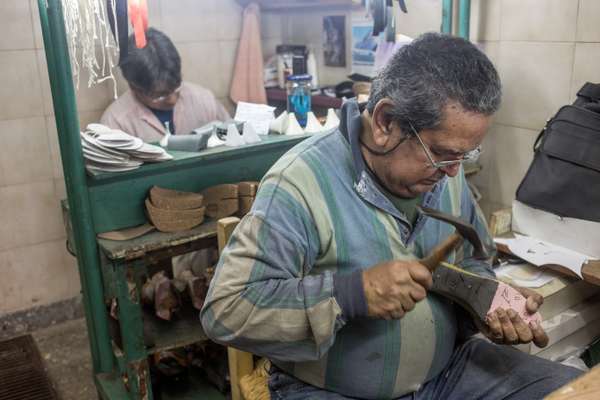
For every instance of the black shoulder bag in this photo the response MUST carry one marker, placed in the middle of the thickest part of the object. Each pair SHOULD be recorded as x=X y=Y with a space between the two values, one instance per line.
x=564 y=177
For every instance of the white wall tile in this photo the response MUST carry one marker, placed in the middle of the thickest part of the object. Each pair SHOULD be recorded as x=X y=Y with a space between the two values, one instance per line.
x=229 y=25
x=423 y=16
x=271 y=25
x=60 y=190
x=30 y=214
x=536 y=79
x=154 y=14
x=269 y=46
x=26 y=155
x=228 y=7
x=85 y=118
x=44 y=82
x=94 y=98
x=57 y=171
x=229 y=105
x=586 y=66
x=16 y=29
x=227 y=60
x=200 y=64
x=485 y=20
x=588 y=28
x=189 y=20
x=539 y=20
x=39 y=274
x=507 y=154
x=21 y=94
x=88 y=117
x=37 y=29
x=492 y=50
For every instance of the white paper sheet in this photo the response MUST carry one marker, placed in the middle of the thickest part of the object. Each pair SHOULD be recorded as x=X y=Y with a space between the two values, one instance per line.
x=258 y=115
x=524 y=275
x=539 y=253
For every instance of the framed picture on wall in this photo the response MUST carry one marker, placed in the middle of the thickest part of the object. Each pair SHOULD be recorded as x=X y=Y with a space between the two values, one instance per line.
x=334 y=41
x=364 y=46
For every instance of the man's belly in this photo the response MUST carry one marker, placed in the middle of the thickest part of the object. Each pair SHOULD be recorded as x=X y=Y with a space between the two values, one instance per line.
x=375 y=359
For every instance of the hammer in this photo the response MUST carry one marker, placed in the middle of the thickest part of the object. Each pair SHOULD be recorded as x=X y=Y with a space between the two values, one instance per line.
x=463 y=230
x=479 y=295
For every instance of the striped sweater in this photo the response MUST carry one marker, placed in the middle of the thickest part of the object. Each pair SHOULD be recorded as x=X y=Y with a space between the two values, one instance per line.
x=319 y=215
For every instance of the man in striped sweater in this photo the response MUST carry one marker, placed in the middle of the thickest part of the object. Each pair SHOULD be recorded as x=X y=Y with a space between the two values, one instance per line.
x=322 y=275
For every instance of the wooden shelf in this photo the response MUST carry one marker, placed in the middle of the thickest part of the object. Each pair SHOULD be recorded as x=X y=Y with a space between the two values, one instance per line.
x=293 y=5
x=156 y=241
x=184 y=330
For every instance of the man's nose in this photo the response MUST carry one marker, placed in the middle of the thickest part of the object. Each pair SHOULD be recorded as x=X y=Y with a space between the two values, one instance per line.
x=451 y=170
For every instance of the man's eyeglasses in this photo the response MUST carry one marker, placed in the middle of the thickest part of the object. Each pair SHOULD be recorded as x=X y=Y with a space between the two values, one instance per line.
x=154 y=98
x=162 y=98
x=468 y=156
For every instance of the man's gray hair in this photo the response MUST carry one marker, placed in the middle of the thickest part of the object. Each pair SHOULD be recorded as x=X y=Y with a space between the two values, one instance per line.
x=429 y=73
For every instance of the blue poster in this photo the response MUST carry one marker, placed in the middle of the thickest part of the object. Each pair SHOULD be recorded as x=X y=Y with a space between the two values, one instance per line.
x=364 y=46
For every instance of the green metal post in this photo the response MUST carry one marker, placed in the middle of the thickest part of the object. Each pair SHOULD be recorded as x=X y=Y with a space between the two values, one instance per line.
x=464 y=16
x=67 y=124
x=132 y=328
x=447 y=16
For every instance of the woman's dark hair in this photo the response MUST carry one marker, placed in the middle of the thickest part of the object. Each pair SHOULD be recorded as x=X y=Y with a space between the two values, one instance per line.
x=154 y=67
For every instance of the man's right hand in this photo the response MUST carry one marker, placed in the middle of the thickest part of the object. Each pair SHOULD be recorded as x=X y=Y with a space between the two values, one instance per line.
x=393 y=288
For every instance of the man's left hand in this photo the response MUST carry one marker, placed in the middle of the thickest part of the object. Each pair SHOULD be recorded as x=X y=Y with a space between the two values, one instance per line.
x=507 y=327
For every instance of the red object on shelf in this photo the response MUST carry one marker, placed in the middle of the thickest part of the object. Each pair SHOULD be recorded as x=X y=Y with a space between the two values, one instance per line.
x=138 y=12
x=276 y=94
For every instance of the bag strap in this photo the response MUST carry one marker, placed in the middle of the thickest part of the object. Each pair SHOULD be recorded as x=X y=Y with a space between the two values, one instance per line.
x=541 y=135
x=588 y=92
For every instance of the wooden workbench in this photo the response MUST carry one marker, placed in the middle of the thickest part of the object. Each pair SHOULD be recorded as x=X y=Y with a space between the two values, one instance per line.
x=586 y=387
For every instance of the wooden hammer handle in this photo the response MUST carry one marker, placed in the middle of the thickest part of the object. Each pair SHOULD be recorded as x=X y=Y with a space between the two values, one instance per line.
x=441 y=251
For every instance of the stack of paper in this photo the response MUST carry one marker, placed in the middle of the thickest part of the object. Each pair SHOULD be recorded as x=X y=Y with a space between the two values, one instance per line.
x=112 y=150
x=259 y=116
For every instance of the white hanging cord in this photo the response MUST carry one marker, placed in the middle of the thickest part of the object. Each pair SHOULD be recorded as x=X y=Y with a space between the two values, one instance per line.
x=92 y=47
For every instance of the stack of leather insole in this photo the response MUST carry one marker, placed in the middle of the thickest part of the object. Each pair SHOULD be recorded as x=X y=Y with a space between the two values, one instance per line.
x=172 y=210
x=112 y=150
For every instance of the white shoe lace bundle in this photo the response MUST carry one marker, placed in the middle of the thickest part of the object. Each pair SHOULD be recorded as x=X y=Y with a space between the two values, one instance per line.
x=92 y=46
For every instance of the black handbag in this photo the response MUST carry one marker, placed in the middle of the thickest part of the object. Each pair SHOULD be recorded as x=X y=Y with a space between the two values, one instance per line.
x=564 y=177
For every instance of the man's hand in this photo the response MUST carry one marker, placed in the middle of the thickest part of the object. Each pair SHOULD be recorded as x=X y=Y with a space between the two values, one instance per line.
x=392 y=288
x=507 y=327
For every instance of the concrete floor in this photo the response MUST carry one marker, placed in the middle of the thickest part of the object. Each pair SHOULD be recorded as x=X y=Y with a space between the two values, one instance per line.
x=66 y=353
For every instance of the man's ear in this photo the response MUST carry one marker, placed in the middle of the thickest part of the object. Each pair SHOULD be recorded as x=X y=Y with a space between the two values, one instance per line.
x=381 y=122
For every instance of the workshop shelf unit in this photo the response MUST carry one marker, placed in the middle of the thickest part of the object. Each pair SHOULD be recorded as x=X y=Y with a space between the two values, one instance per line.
x=104 y=202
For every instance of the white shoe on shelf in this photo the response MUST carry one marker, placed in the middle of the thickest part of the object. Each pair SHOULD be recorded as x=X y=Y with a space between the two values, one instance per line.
x=280 y=123
x=332 y=120
x=312 y=124
x=293 y=127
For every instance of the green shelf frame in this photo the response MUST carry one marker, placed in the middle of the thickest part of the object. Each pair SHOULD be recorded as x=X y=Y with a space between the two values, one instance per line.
x=98 y=203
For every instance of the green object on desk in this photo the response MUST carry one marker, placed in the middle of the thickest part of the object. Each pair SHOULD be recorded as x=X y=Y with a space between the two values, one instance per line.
x=117 y=199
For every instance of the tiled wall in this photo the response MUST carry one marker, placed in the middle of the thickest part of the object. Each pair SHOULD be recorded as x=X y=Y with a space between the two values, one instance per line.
x=544 y=51
x=35 y=267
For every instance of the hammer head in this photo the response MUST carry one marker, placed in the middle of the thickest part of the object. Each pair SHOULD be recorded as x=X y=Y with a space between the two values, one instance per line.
x=465 y=229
